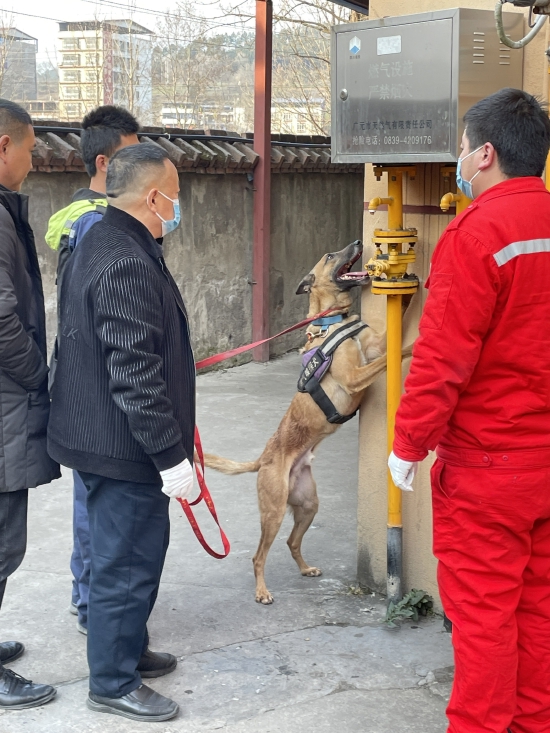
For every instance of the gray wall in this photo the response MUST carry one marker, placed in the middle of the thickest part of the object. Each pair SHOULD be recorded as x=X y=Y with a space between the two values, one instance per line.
x=210 y=255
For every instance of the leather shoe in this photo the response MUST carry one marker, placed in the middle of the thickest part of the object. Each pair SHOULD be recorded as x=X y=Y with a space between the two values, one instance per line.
x=10 y=651
x=156 y=664
x=17 y=693
x=140 y=704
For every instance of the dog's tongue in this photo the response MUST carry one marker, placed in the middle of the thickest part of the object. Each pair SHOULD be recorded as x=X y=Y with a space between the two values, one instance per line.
x=354 y=275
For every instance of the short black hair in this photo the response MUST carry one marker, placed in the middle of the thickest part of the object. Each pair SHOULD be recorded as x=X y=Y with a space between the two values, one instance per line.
x=129 y=165
x=517 y=126
x=14 y=120
x=102 y=129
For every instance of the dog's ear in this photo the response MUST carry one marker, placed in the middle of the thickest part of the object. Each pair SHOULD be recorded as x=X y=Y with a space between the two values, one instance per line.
x=305 y=285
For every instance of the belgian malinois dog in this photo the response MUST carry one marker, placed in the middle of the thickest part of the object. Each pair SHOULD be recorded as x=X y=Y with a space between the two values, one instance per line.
x=284 y=468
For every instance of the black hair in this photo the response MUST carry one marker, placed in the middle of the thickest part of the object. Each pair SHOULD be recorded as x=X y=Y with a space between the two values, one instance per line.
x=14 y=120
x=130 y=164
x=517 y=126
x=102 y=129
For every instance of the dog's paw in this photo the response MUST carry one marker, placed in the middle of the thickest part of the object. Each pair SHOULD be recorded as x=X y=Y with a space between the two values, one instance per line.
x=264 y=597
x=312 y=572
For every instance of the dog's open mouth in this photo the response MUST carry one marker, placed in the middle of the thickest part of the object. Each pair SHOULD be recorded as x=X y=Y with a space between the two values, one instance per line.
x=343 y=275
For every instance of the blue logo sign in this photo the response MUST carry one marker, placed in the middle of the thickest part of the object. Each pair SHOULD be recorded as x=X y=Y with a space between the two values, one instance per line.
x=355 y=45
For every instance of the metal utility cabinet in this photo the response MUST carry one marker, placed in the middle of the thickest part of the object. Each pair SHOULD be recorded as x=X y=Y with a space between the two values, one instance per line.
x=400 y=86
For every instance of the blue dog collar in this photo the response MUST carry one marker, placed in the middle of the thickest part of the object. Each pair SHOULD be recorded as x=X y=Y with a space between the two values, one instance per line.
x=328 y=320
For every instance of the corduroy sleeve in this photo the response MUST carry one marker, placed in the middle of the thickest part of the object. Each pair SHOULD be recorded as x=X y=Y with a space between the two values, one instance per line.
x=463 y=287
x=129 y=325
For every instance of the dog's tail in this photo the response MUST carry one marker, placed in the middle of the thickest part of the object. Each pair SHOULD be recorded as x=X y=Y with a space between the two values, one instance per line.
x=225 y=465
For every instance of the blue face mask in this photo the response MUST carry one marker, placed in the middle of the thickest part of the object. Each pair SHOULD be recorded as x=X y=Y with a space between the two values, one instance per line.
x=466 y=186
x=168 y=225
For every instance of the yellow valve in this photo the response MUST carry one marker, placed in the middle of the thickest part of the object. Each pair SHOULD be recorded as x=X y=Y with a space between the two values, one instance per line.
x=389 y=271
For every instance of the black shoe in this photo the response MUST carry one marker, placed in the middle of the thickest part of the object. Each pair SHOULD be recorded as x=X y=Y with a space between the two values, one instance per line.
x=10 y=651
x=155 y=664
x=17 y=693
x=447 y=624
x=141 y=704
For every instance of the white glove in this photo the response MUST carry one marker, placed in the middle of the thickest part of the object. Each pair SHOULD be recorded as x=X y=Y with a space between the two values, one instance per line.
x=177 y=482
x=402 y=472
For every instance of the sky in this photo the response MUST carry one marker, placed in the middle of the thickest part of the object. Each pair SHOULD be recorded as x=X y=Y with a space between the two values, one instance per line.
x=40 y=19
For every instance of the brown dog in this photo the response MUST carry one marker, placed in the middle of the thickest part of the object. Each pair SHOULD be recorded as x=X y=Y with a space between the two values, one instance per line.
x=284 y=468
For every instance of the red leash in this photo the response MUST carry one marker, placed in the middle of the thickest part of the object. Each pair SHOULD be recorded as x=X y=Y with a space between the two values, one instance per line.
x=209 y=361
x=204 y=492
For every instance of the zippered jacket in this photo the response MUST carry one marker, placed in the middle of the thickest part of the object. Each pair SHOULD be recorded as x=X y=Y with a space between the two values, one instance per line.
x=480 y=373
x=68 y=225
x=123 y=399
x=24 y=400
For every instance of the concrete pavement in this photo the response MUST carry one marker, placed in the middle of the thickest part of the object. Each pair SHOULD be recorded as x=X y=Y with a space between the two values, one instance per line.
x=318 y=659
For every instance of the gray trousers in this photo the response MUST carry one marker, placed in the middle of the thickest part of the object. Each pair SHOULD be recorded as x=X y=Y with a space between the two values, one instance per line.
x=13 y=533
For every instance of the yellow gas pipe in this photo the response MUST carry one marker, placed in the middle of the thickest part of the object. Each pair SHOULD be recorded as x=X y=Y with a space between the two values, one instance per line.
x=390 y=278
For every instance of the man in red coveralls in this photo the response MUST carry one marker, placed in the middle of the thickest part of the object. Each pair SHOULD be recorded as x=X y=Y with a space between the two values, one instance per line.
x=478 y=391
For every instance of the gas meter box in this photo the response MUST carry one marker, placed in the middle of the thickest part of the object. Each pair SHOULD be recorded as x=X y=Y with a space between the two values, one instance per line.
x=401 y=86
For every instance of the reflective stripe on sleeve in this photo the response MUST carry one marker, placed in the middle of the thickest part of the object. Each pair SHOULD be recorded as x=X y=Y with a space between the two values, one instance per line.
x=529 y=247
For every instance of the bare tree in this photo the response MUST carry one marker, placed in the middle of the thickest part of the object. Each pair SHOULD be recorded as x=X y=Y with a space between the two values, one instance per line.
x=47 y=80
x=301 y=60
x=301 y=73
x=133 y=52
x=189 y=66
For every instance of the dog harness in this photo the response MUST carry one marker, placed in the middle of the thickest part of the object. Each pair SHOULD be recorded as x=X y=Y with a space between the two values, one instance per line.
x=315 y=364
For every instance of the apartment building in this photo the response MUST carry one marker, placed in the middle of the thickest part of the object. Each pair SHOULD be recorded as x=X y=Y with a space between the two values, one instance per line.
x=41 y=109
x=300 y=116
x=204 y=115
x=17 y=65
x=104 y=62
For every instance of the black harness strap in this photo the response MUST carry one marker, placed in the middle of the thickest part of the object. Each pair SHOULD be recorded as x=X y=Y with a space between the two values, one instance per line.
x=309 y=383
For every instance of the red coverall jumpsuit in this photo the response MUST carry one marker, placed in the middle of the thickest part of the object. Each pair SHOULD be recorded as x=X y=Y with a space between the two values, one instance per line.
x=479 y=391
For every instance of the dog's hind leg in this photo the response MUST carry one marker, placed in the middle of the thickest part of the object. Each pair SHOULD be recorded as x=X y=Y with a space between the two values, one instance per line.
x=272 y=499
x=304 y=502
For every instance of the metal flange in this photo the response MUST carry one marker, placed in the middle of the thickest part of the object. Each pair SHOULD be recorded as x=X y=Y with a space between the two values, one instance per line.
x=397 y=233
x=394 y=287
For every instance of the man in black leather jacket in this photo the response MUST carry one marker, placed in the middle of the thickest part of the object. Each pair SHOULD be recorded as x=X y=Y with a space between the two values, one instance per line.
x=123 y=416
x=24 y=400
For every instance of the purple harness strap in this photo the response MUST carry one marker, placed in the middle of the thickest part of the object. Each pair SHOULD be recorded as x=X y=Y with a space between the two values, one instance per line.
x=322 y=370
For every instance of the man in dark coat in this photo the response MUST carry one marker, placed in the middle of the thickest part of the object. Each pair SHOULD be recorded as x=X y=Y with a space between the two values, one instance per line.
x=123 y=416
x=24 y=401
x=105 y=130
